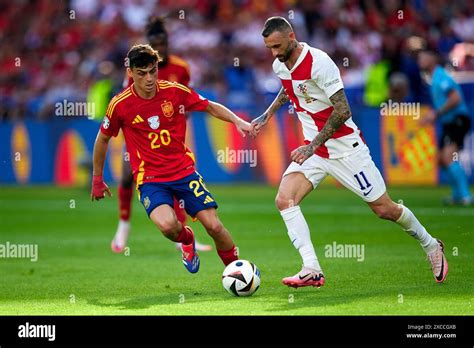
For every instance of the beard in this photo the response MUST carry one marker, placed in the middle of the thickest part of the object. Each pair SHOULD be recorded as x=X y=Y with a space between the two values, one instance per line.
x=287 y=54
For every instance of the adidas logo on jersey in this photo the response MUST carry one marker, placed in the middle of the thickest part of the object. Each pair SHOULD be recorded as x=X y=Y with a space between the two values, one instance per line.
x=208 y=200
x=137 y=119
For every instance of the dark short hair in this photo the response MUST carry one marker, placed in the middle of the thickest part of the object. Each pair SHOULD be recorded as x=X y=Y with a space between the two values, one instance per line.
x=140 y=56
x=273 y=24
x=155 y=27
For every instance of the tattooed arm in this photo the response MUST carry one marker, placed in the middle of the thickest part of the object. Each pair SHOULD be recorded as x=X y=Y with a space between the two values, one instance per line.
x=340 y=114
x=262 y=120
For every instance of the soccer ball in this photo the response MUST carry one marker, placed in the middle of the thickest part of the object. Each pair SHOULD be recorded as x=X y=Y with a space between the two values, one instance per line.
x=241 y=278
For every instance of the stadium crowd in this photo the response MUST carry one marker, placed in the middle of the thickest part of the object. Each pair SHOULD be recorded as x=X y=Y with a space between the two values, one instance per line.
x=56 y=50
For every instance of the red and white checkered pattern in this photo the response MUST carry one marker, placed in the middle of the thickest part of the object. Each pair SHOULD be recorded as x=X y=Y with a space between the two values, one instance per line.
x=309 y=85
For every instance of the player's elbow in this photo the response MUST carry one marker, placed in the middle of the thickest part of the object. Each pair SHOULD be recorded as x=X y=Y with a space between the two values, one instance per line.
x=102 y=138
x=342 y=112
x=346 y=114
x=212 y=108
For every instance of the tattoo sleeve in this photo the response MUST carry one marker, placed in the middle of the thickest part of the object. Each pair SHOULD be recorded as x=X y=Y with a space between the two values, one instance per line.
x=340 y=114
x=280 y=100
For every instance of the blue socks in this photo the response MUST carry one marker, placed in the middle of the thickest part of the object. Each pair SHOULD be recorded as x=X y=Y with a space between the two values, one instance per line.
x=456 y=195
x=458 y=181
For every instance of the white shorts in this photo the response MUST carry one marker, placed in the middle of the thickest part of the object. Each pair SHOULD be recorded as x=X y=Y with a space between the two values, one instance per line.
x=357 y=172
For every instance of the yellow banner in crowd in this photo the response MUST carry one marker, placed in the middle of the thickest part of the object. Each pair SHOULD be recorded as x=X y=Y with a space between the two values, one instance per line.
x=409 y=150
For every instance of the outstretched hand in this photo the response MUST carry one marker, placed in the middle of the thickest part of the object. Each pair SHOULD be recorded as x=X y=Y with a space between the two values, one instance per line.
x=244 y=128
x=257 y=124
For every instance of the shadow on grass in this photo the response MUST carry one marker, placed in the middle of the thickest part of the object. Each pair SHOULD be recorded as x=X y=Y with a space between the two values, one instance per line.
x=145 y=302
x=135 y=303
x=273 y=300
x=380 y=297
x=271 y=304
x=322 y=299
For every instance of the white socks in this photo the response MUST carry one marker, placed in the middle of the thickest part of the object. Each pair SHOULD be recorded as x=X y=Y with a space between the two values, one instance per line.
x=298 y=231
x=410 y=224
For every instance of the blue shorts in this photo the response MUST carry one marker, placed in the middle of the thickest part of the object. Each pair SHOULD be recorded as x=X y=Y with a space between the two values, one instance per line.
x=191 y=192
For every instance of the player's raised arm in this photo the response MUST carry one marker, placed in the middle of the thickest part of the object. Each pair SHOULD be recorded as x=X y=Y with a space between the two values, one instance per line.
x=339 y=115
x=221 y=112
x=262 y=120
x=99 y=187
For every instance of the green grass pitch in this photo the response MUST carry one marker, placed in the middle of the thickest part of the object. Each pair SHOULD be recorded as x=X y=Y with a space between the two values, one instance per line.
x=77 y=274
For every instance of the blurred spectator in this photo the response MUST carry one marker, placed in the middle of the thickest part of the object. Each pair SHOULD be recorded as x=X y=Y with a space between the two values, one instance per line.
x=399 y=88
x=377 y=87
x=52 y=50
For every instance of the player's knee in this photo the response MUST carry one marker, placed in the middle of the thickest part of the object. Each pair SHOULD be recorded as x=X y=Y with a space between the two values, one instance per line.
x=215 y=228
x=283 y=202
x=169 y=227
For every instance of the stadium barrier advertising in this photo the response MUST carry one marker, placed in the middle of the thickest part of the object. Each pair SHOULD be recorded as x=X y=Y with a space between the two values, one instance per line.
x=59 y=151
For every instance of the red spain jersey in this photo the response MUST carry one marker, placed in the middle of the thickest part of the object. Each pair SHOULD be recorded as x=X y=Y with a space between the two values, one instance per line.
x=155 y=130
x=175 y=70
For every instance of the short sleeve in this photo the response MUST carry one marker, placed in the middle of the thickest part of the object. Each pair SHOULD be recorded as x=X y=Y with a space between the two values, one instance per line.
x=191 y=100
x=327 y=75
x=111 y=124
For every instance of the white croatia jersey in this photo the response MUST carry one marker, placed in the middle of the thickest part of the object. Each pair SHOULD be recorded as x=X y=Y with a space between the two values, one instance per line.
x=309 y=85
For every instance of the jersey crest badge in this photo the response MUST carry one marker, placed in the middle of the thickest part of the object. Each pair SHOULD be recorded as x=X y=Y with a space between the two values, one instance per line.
x=304 y=90
x=167 y=109
x=154 y=122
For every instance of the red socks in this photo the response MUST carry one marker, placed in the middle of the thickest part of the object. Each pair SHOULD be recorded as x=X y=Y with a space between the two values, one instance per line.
x=186 y=236
x=229 y=255
x=180 y=212
x=125 y=195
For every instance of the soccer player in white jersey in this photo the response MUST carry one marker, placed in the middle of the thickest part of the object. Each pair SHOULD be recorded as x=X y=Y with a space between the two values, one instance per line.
x=334 y=145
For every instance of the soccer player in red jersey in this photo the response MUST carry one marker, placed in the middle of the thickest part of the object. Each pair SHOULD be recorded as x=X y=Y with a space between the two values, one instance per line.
x=174 y=69
x=151 y=115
